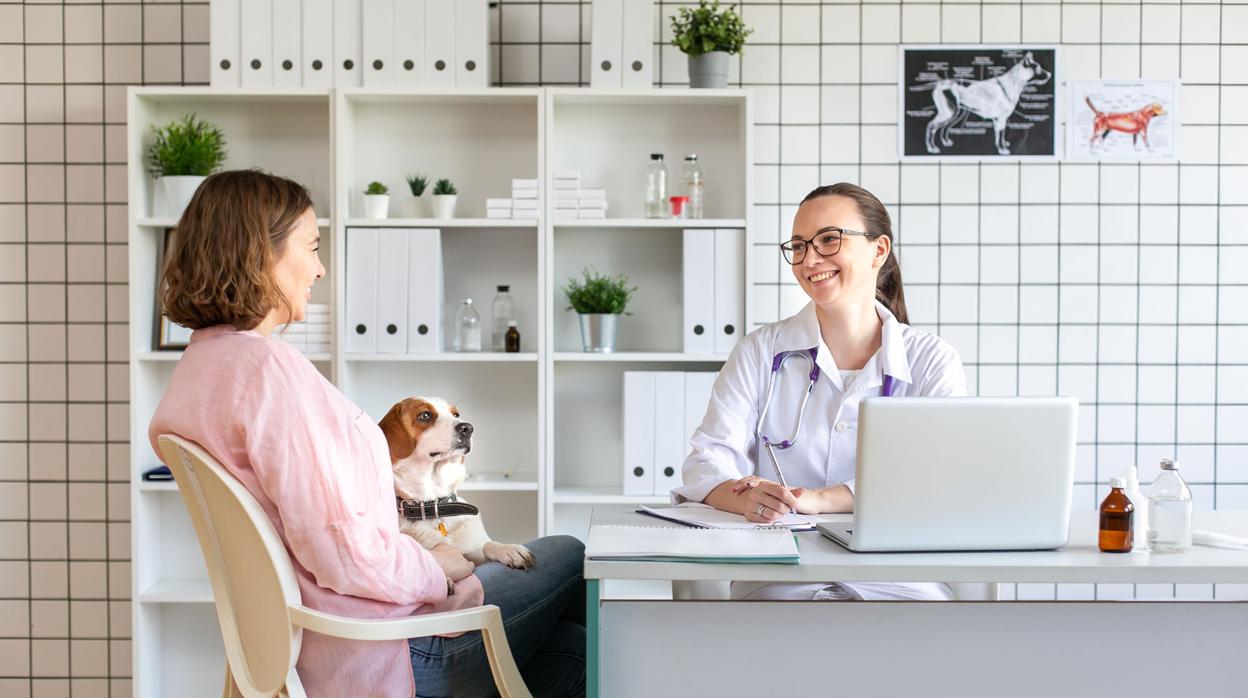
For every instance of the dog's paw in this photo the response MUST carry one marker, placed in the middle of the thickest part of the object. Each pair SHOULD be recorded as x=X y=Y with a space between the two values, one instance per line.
x=510 y=554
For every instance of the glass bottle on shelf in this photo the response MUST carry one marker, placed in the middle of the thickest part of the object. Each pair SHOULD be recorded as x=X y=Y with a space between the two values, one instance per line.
x=656 y=187
x=693 y=186
x=1116 y=514
x=467 y=327
x=1169 y=511
x=502 y=311
x=512 y=344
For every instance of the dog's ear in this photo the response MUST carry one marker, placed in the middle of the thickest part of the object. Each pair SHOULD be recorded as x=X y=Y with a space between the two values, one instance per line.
x=398 y=435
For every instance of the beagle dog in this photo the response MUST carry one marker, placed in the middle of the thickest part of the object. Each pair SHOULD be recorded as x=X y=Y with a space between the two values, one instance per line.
x=1134 y=123
x=428 y=442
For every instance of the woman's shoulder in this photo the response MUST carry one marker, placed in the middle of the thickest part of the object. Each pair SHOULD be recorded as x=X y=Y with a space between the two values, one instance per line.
x=245 y=352
x=927 y=347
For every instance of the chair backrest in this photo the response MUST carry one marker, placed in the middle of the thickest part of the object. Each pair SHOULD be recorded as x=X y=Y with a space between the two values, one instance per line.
x=253 y=581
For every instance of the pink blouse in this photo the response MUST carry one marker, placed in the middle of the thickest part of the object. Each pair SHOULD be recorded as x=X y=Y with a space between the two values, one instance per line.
x=320 y=468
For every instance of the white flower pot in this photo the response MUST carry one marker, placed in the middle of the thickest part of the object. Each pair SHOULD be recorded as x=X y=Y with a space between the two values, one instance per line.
x=376 y=206
x=415 y=207
x=178 y=192
x=444 y=205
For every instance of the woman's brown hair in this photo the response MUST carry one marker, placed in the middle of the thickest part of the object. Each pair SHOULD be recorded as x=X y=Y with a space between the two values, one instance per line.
x=888 y=285
x=219 y=268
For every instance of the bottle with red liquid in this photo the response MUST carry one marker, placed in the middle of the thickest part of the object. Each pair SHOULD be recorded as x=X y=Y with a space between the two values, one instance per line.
x=1117 y=512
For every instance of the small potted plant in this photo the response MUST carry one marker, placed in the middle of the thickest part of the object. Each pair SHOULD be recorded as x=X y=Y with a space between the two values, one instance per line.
x=599 y=300
x=444 y=196
x=181 y=155
x=376 y=201
x=414 y=205
x=708 y=35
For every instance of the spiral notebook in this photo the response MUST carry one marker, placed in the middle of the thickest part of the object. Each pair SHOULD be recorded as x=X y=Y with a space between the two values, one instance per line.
x=709 y=545
x=703 y=516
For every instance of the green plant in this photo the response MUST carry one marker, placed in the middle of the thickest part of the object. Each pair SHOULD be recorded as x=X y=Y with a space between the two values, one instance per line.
x=599 y=293
x=706 y=28
x=187 y=147
x=443 y=187
x=417 y=184
x=376 y=189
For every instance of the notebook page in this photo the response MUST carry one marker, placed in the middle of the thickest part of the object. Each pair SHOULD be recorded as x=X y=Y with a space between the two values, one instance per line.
x=710 y=517
x=646 y=542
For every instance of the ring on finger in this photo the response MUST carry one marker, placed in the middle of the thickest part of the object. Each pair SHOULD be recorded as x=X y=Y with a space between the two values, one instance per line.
x=761 y=507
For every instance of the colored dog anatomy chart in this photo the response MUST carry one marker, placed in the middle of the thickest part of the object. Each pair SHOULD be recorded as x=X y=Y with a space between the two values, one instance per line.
x=1123 y=120
x=980 y=102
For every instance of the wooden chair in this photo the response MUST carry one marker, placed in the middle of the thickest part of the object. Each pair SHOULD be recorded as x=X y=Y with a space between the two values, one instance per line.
x=259 y=607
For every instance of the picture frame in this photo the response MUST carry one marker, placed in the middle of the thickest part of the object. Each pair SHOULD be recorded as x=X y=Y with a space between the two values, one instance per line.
x=1123 y=120
x=169 y=335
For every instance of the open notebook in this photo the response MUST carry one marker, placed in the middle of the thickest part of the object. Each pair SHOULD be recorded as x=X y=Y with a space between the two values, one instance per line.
x=703 y=516
x=668 y=544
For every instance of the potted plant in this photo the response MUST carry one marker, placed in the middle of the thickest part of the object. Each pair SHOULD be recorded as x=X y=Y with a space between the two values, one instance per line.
x=599 y=300
x=708 y=35
x=444 y=196
x=181 y=155
x=376 y=200
x=414 y=205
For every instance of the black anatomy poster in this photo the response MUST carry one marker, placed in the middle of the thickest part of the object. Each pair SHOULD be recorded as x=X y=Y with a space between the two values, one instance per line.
x=978 y=101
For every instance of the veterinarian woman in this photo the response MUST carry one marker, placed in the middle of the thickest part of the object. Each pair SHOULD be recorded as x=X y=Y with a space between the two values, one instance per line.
x=243 y=264
x=841 y=253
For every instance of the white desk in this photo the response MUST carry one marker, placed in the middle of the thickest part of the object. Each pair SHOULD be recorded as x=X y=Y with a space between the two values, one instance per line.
x=1021 y=648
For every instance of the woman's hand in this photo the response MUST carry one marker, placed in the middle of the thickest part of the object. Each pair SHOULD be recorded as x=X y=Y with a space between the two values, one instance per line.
x=758 y=500
x=823 y=500
x=452 y=561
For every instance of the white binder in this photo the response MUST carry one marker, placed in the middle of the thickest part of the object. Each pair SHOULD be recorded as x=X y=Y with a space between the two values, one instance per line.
x=606 y=41
x=424 y=291
x=362 y=290
x=670 y=438
x=638 y=473
x=699 y=283
x=472 y=43
x=287 y=38
x=223 y=28
x=698 y=389
x=409 y=43
x=392 y=297
x=347 y=14
x=318 y=43
x=729 y=288
x=377 y=40
x=440 y=43
x=256 y=40
x=637 y=45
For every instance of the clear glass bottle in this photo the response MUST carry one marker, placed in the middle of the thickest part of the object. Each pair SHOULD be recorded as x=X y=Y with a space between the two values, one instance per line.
x=512 y=338
x=656 y=187
x=1116 y=514
x=1139 y=528
x=693 y=186
x=501 y=309
x=1169 y=511
x=467 y=327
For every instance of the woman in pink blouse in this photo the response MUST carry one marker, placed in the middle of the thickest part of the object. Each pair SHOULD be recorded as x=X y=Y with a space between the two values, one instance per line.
x=242 y=264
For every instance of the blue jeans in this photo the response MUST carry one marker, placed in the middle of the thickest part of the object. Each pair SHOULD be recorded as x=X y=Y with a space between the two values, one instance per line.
x=543 y=611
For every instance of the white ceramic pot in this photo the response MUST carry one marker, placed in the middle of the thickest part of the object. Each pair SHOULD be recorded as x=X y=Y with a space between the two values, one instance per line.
x=376 y=206
x=178 y=192
x=444 y=205
x=415 y=207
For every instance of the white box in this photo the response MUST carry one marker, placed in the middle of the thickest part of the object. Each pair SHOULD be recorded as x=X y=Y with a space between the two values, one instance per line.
x=472 y=45
x=699 y=282
x=638 y=475
x=347 y=43
x=524 y=183
x=606 y=39
x=424 y=305
x=592 y=204
x=729 y=288
x=377 y=39
x=287 y=61
x=523 y=194
x=409 y=43
x=670 y=438
x=570 y=186
x=698 y=389
x=637 y=44
x=392 y=295
x=318 y=43
x=593 y=193
x=440 y=43
x=256 y=38
x=497 y=203
x=362 y=290
x=498 y=213
x=224 y=18
x=590 y=213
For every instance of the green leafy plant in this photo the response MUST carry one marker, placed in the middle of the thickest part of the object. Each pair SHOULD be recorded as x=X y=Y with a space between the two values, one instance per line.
x=376 y=189
x=187 y=147
x=599 y=293
x=417 y=184
x=444 y=187
x=706 y=28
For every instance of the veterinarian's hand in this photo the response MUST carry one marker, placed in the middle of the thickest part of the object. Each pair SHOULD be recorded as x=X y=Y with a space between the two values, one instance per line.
x=452 y=561
x=755 y=495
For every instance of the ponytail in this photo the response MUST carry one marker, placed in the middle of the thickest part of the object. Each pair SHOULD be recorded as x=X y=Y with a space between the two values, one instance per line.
x=888 y=288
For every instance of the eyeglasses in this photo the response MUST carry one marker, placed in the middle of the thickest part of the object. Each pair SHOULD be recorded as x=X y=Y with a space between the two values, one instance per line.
x=826 y=243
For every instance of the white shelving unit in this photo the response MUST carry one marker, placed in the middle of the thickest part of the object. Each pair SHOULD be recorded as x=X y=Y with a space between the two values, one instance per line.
x=548 y=420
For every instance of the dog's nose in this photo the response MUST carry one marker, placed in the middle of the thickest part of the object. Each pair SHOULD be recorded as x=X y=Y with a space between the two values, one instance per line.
x=464 y=429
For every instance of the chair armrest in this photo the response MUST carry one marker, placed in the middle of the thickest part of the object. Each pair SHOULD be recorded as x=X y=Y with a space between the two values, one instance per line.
x=394 y=628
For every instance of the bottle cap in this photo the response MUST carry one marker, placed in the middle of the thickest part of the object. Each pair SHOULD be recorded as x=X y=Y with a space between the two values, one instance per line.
x=1169 y=464
x=682 y=199
x=692 y=157
x=503 y=288
x=467 y=301
x=1117 y=483
x=511 y=323
x=656 y=156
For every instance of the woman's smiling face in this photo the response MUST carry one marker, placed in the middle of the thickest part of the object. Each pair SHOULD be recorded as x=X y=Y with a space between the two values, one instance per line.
x=299 y=266
x=851 y=273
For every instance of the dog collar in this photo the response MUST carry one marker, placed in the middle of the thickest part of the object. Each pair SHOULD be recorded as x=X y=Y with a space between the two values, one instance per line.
x=425 y=509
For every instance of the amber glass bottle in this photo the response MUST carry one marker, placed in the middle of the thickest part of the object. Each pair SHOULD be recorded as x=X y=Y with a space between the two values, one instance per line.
x=1116 y=517
x=511 y=340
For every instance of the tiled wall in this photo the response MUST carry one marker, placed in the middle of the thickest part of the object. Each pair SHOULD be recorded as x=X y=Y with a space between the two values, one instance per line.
x=1121 y=284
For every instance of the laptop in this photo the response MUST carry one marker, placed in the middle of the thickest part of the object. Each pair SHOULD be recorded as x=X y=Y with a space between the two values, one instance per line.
x=961 y=474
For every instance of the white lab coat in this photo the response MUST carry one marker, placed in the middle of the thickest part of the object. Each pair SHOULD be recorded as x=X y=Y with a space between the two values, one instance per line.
x=725 y=447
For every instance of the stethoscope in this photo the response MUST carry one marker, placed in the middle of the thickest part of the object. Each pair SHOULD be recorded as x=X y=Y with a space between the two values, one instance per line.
x=886 y=390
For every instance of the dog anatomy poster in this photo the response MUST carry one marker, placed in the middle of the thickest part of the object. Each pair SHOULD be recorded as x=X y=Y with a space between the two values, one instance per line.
x=979 y=102
x=1123 y=120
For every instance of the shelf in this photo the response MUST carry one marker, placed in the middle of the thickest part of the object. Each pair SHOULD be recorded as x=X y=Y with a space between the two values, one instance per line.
x=646 y=96
x=441 y=223
x=167 y=222
x=231 y=95
x=667 y=223
x=391 y=95
x=157 y=485
x=637 y=356
x=499 y=485
x=604 y=495
x=177 y=591
x=173 y=356
x=445 y=357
